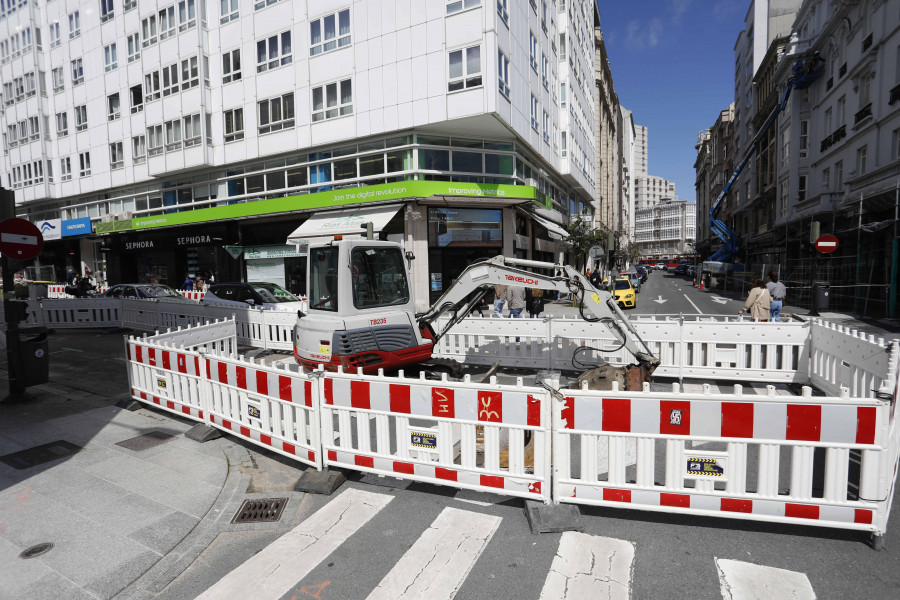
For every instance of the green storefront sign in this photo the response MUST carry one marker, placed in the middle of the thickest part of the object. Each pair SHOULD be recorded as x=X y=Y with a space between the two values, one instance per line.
x=343 y=197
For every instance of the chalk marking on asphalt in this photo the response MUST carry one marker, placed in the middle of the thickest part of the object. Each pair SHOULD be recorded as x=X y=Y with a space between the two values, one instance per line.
x=438 y=563
x=278 y=567
x=746 y=581
x=694 y=305
x=590 y=566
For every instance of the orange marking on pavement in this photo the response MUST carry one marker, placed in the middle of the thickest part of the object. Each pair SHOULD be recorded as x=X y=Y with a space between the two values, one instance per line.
x=318 y=588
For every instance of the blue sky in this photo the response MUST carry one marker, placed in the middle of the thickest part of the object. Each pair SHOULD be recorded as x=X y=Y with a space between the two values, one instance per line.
x=672 y=65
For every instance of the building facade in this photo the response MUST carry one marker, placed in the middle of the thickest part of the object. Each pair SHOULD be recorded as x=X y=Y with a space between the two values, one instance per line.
x=198 y=137
x=666 y=230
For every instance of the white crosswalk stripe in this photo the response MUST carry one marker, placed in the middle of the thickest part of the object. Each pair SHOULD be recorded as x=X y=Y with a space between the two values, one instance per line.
x=747 y=581
x=277 y=568
x=438 y=563
x=589 y=566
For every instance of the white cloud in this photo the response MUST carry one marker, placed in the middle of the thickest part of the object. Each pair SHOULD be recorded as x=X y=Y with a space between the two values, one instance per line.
x=644 y=35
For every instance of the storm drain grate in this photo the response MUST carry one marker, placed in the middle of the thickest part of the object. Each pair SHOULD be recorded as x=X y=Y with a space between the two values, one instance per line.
x=265 y=510
x=146 y=441
x=25 y=459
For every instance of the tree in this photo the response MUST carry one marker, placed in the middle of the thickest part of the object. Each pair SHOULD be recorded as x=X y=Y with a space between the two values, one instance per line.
x=583 y=237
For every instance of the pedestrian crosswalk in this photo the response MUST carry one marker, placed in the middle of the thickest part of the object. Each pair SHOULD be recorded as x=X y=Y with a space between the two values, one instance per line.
x=438 y=563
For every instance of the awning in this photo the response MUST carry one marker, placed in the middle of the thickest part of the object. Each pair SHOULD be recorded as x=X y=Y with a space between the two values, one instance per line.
x=348 y=222
x=556 y=231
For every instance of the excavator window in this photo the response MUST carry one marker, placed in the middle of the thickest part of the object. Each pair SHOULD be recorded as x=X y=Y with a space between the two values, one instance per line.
x=323 y=280
x=378 y=277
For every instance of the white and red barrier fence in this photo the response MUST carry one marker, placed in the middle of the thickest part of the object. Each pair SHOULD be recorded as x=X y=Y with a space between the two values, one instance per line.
x=775 y=457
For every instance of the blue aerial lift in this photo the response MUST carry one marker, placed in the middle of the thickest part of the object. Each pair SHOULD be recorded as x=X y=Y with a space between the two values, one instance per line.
x=803 y=73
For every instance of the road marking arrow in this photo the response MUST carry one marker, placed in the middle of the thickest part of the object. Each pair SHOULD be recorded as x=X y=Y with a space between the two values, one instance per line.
x=660 y=300
x=719 y=299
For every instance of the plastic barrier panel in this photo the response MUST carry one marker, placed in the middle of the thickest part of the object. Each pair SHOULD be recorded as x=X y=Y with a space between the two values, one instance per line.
x=272 y=407
x=844 y=357
x=218 y=337
x=169 y=377
x=818 y=461
x=484 y=437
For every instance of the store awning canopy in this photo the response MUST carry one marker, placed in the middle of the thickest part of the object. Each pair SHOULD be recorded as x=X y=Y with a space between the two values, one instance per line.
x=556 y=231
x=324 y=226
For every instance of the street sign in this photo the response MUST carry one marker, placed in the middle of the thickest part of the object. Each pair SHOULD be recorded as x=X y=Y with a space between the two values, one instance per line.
x=597 y=252
x=826 y=244
x=20 y=239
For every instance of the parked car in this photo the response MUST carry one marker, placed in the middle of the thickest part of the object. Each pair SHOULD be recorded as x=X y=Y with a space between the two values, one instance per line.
x=147 y=291
x=691 y=271
x=255 y=294
x=623 y=292
x=681 y=269
x=644 y=272
x=635 y=279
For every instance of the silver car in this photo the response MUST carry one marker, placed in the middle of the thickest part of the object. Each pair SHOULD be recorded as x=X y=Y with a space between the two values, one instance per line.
x=635 y=279
x=255 y=294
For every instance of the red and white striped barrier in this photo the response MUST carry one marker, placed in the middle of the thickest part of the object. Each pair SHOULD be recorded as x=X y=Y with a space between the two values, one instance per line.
x=429 y=431
x=739 y=456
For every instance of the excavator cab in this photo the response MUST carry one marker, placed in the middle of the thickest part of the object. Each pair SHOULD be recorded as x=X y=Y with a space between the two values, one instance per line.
x=361 y=310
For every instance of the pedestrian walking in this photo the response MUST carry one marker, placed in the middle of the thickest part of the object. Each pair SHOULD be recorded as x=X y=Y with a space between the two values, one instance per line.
x=595 y=278
x=515 y=295
x=188 y=283
x=758 y=301
x=778 y=292
x=536 y=303
x=499 y=299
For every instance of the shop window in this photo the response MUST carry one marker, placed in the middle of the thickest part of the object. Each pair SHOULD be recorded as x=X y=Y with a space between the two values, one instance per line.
x=467 y=162
x=296 y=175
x=275 y=180
x=434 y=160
x=498 y=163
x=345 y=169
x=256 y=184
x=371 y=165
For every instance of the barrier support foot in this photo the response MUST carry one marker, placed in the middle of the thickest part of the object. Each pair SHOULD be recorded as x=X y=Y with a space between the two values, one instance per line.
x=877 y=542
x=202 y=433
x=552 y=518
x=129 y=405
x=319 y=482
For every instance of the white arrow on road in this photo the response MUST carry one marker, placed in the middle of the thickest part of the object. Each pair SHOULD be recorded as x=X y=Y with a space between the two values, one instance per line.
x=719 y=299
x=660 y=300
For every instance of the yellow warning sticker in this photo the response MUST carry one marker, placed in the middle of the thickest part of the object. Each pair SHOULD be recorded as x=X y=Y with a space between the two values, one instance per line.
x=595 y=298
x=161 y=382
x=325 y=349
x=705 y=467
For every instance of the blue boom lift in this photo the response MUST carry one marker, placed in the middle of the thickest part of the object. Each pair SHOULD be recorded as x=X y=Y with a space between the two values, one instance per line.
x=803 y=73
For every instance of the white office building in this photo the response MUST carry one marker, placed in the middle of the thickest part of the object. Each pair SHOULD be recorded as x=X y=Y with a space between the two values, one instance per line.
x=199 y=136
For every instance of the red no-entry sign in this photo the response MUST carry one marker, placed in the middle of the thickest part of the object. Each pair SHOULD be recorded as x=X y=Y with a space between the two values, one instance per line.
x=826 y=244
x=20 y=239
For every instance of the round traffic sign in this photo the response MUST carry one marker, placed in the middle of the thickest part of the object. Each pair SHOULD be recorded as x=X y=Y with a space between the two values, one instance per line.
x=826 y=243
x=20 y=239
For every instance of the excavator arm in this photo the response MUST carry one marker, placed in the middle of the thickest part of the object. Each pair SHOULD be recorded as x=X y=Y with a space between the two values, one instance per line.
x=595 y=305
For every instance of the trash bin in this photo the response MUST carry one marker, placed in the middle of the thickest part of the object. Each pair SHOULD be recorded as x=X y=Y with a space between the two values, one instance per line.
x=38 y=289
x=33 y=356
x=823 y=289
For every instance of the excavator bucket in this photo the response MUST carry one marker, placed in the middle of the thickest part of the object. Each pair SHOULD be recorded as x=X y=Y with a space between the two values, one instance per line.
x=630 y=378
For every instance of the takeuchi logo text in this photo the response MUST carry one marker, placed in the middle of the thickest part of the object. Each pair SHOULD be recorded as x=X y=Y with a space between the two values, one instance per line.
x=525 y=280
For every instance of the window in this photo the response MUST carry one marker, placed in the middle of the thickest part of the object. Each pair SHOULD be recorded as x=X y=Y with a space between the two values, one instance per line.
x=234 y=124
x=545 y=69
x=187 y=15
x=116 y=156
x=74 y=25
x=229 y=10
x=276 y=113
x=84 y=164
x=329 y=32
x=65 y=169
x=170 y=80
x=151 y=86
x=138 y=149
x=260 y=4
x=231 y=66
x=332 y=100
x=190 y=76
x=173 y=135
x=801 y=188
x=77 y=72
x=839 y=175
x=273 y=52
x=545 y=129
x=113 y=111
x=154 y=140
x=128 y=5
x=34 y=128
x=895 y=144
x=166 y=20
x=465 y=68
x=54 y=34
x=534 y=113
x=323 y=269
x=544 y=15
x=29 y=85
x=148 y=28
x=503 y=11
x=804 y=138
x=134 y=47
x=785 y=146
x=62 y=124
x=110 y=57
x=826 y=179
x=49 y=171
x=534 y=51
x=192 y=132
x=562 y=144
x=828 y=127
x=81 y=117
x=562 y=94
x=137 y=99
x=861 y=158
x=107 y=10
x=503 y=71
x=454 y=6
x=388 y=287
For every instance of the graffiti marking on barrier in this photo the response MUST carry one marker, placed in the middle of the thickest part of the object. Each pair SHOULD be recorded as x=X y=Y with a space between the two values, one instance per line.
x=485 y=413
x=675 y=417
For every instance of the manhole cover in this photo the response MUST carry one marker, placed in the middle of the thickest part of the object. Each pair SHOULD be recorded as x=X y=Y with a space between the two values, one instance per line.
x=266 y=510
x=36 y=550
x=146 y=441
x=25 y=459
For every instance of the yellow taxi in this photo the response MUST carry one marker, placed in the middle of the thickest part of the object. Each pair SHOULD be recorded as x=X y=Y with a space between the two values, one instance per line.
x=624 y=292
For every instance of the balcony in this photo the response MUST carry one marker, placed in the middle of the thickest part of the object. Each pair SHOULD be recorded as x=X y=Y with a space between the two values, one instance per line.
x=826 y=144
x=864 y=113
x=839 y=134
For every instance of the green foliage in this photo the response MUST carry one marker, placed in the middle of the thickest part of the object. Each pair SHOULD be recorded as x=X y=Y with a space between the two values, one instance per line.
x=582 y=237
